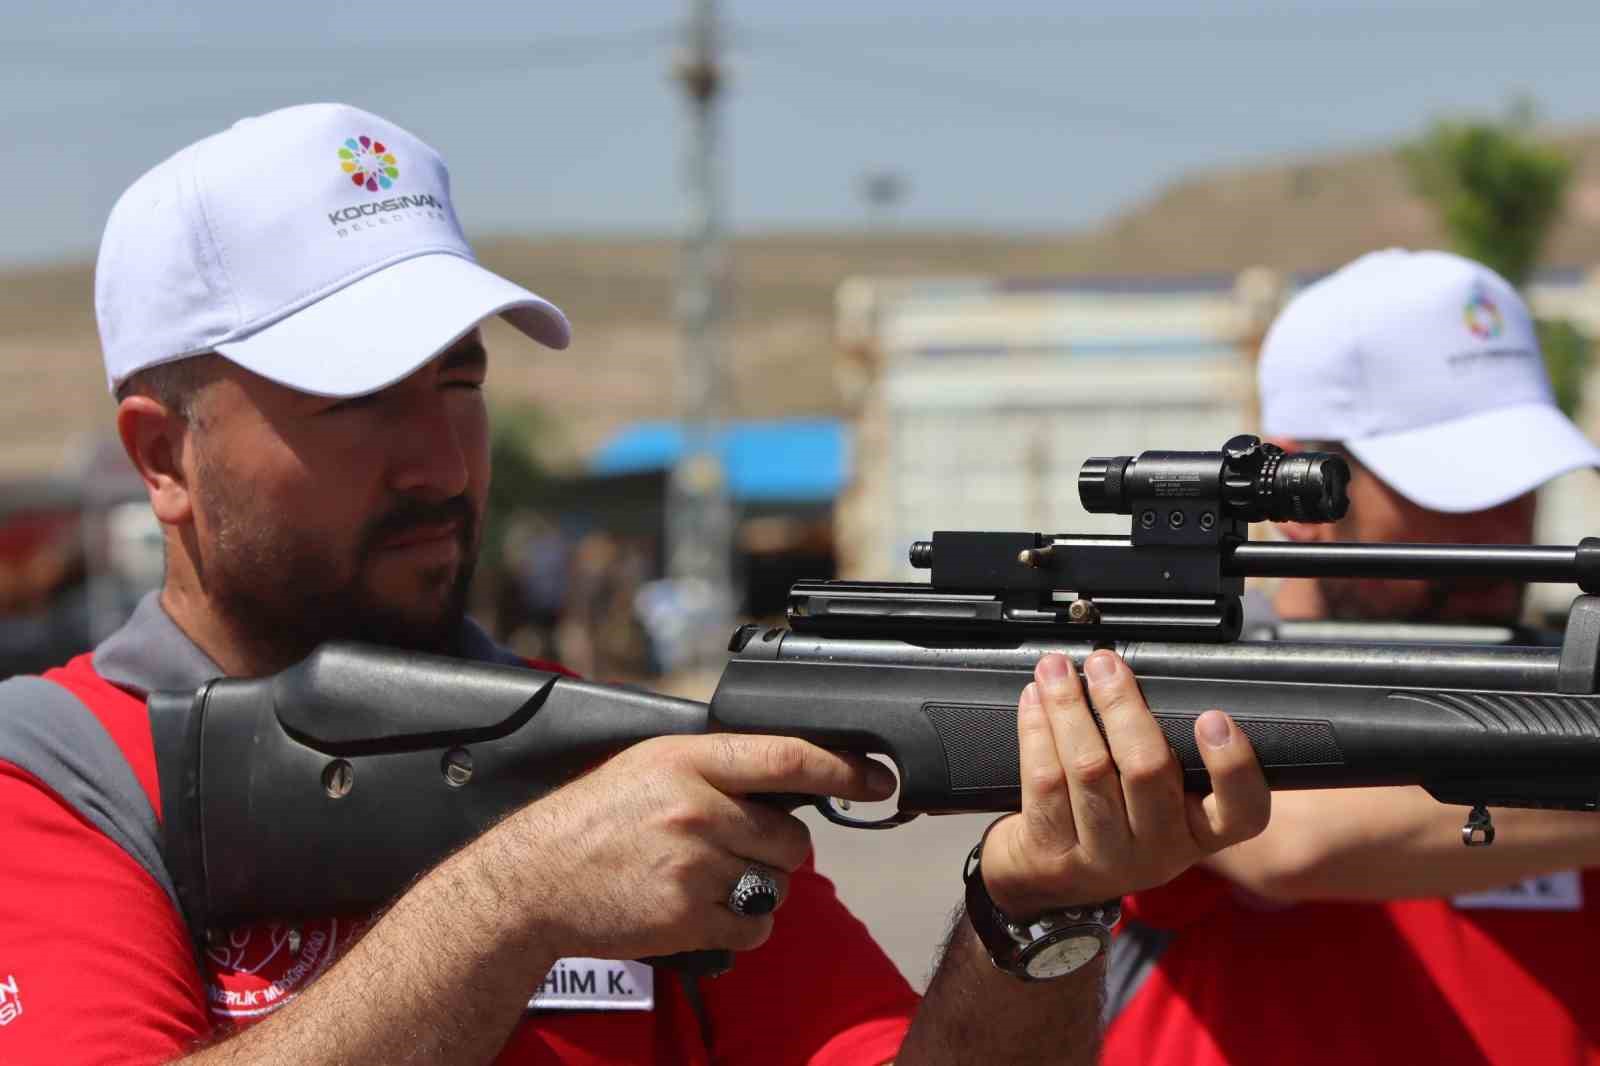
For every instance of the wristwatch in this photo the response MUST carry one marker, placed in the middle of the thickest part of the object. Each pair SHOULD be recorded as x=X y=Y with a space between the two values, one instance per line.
x=1052 y=944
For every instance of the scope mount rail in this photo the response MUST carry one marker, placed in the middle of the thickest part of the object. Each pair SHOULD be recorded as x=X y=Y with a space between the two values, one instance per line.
x=1179 y=573
x=1109 y=587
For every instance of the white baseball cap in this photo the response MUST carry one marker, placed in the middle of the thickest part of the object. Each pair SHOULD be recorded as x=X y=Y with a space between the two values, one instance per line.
x=1427 y=367
x=316 y=246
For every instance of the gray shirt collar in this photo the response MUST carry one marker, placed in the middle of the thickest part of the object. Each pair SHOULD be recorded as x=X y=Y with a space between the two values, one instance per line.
x=151 y=654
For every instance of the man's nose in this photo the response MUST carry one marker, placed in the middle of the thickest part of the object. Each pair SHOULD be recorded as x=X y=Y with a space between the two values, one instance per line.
x=428 y=458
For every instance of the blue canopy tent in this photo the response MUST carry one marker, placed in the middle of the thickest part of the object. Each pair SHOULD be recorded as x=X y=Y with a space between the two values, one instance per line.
x=783 y=477
x=783 y=461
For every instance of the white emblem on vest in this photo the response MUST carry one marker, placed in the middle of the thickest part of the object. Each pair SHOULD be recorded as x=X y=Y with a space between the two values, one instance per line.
x=10 y=1000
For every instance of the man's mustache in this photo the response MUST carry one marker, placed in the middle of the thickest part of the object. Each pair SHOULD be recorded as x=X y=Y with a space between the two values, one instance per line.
x=410 y=514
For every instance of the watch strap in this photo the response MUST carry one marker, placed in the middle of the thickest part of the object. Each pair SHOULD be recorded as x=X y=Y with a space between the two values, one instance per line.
x=1009 y=940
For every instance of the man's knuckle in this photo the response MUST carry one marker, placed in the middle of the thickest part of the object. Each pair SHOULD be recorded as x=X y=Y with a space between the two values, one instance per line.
x=784 y=758
x=728 y=750
x=683 y=817
x=1034 y=726
x=1091 y=767
x=1145 y=765
x=795 y=844
x=1114 y=698
x=1046 y=781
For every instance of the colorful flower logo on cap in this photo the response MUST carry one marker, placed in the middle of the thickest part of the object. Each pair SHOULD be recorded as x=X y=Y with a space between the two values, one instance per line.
x=369 y=164
x=1483 y=317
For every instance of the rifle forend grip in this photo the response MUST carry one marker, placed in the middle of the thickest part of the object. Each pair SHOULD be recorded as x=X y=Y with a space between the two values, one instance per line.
x=952 y=732
x=980 y=741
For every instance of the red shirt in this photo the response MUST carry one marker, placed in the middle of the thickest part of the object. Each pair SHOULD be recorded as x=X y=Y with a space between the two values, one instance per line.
x=96 y=965
x=1410 y=981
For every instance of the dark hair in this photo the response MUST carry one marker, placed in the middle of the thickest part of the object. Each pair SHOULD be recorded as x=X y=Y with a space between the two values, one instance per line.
x=175 y=385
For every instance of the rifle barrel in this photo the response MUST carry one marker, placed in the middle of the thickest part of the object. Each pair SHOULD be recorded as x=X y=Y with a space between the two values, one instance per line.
x=1554 y=563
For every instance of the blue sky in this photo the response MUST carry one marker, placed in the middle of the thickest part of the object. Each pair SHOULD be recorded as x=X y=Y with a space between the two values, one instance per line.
x=1019 y=115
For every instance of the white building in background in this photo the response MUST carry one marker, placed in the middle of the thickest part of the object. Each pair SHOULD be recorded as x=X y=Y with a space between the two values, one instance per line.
x=975 y=400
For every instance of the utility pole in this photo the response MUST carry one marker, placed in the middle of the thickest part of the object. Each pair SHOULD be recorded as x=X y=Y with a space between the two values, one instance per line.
x=699 y=514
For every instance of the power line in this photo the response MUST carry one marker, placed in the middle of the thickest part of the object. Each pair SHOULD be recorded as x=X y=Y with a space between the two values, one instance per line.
x=1009 y=98
x=1278 y=26
x=170 y=52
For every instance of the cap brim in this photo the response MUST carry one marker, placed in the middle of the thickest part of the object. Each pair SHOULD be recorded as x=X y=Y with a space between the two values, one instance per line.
x=1481 y=461
x=380 y=329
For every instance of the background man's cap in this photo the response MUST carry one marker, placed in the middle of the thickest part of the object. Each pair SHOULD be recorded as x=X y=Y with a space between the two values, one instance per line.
x=316 y=246
x=1427 y=367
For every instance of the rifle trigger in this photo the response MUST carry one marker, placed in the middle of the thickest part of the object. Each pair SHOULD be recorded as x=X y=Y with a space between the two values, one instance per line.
x=1479 y=830
x=829 y=808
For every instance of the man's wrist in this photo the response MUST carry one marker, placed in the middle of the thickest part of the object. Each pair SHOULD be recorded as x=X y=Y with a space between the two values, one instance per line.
x=1016 y=898
x=1053 y=943
x=481 y=881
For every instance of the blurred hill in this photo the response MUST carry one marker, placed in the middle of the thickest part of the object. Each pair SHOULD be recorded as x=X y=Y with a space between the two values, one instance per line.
x=1304 y=214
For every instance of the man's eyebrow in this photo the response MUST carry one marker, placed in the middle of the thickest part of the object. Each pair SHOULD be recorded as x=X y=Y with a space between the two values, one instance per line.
x=465 y=355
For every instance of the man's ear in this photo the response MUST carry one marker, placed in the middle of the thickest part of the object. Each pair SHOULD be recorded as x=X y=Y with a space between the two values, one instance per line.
x=153 y=438
x=1302 y=532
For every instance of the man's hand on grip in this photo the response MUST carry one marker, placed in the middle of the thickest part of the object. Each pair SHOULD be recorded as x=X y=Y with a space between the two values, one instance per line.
x=1103 y=816
x=638 y=857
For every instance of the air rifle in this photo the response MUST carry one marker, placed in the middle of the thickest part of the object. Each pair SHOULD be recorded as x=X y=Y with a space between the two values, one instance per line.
x=327 y=788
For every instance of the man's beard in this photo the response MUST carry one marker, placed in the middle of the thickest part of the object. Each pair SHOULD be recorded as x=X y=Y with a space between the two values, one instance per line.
x=282 y=593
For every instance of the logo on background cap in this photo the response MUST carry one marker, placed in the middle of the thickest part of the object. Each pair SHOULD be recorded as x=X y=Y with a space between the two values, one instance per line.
x=369 y=164
x=1483 y=317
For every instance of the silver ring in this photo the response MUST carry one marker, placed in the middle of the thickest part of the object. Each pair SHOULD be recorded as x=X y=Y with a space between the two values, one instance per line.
x=755 y=893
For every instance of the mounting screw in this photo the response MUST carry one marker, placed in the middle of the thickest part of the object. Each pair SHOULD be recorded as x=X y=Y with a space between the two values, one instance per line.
x=1081 y=610
x=457 y=766
x=1036 y=557
x=338 y=778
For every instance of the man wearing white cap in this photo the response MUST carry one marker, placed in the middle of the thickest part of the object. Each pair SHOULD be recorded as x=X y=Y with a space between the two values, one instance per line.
x=289 y=316
x=1357 y=928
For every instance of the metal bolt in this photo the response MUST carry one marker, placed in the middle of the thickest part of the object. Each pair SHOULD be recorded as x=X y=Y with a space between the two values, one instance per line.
x=294 y=941
x=1037 y=557
x=1175 y=519
x=338 y=778
x=457 y=766
x=1147 y=519
x=1207 y=520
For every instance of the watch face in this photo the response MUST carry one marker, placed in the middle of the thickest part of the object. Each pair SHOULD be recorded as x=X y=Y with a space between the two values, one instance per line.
x=1059 y=956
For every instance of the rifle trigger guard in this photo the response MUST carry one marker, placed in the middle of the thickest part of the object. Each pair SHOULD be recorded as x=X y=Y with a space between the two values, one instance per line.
x=827 y=807
x=1479 y=830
